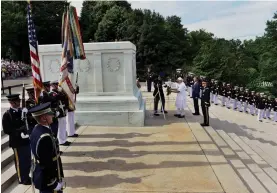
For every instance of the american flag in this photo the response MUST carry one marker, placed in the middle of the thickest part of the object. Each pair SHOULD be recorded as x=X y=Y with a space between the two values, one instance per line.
x=33 y=44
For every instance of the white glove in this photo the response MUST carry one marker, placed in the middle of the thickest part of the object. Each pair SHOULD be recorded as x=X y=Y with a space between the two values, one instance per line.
x=24 y=110
x=23 y=136
x=59 y=186
x=57 y=113
x=66 y=111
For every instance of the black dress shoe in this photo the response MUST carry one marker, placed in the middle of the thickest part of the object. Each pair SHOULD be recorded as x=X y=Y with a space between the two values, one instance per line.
x=196 y=113
x=261 y=120
x=27 y=182
x=67 y=143
x=165 y=112
x=203 y=124
x=156 y=114
x=176 y=115
x=181 y=116
x=75 y=135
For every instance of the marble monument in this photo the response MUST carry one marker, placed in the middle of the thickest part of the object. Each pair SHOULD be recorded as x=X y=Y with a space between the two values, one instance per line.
x=107 y=79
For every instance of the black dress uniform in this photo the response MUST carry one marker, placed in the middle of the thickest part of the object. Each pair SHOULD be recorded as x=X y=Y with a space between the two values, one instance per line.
x=48 y=171
x=158 y=87
x=205 y=104
x=15 y=127
x=149 y=80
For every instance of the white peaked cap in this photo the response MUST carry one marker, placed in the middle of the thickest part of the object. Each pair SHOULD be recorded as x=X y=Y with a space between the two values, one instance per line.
x=179 y=78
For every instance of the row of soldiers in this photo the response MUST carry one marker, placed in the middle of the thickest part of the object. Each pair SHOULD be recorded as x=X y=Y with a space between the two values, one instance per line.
x=41 y=128
x=239 y=98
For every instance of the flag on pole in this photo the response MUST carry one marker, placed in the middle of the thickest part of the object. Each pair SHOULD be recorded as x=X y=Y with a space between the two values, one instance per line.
x=64 y=81
x=33 y=44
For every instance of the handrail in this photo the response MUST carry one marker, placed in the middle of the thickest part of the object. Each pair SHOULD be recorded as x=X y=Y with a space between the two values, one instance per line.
x=10 y=88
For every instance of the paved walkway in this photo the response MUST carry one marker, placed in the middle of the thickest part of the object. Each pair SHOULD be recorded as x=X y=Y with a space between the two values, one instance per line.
x=235 y=154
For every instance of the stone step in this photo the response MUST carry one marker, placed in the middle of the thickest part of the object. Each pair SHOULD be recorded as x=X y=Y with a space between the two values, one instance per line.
x=4 y=142
x=8 y=176
x=2 y=133
x=6 y=157
x=17 y=188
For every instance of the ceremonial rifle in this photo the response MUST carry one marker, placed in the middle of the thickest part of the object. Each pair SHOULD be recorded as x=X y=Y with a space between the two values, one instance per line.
x=24 y=117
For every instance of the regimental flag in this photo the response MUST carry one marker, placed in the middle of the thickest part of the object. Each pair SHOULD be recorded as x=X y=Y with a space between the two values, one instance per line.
x=33 y=44
x=64 y=81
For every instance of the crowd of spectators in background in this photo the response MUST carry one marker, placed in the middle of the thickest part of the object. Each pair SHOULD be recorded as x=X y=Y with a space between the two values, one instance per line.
x=13 y=70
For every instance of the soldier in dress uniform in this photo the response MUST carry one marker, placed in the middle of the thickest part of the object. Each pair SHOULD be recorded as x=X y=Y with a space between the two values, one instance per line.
x=30 y=102
x=257 y=99
x=275 y=110
x=228 y=95
x=149 y=79
x=44 y=96
x=212 y=87
x=15 y=127
x=252 y=102
x=222 y=93
x=205 y=102
x=235 y=97
x=216 y=92
x=269 y=107
x=261 y=106
x=240 y=99
x=158 y=94
x=70 y=119
x=62 y=105
x=246 y=99
x=48 y=174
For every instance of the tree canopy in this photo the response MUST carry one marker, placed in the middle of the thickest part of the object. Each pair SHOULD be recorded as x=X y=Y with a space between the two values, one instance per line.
x=163 y=43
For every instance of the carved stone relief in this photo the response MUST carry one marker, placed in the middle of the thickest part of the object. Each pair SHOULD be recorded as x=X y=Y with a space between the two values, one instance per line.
x=113 y=64
x=84 y=65
x=54 y=66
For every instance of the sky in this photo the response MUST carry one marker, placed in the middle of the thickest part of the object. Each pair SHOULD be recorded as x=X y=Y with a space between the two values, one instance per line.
x=225 y=19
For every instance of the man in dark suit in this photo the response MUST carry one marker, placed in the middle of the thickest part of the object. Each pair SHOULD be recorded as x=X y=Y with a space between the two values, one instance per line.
x=205 y=102
x=196 y=95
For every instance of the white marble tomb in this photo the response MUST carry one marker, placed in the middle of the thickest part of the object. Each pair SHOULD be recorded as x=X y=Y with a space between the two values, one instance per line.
x=107 y=79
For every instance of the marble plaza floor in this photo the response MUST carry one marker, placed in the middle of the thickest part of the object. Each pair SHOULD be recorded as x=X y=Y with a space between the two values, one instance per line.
x=235 y=154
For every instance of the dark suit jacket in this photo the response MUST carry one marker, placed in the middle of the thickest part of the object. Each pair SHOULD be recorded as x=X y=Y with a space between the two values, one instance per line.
x=195 y=90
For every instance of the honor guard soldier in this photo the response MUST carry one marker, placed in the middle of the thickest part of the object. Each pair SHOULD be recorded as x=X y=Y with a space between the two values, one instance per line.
x=228 y=95
x=70 y=119
x=252 y=103
x=275 y=110
x=235 y=97
x=215 y=92
x=268 y=107
x=205 y=102
x=30 y=102
x=257 y=99
x=261 y=106
x=246 y=99
x=240 y=99
x=62 y=106
x=211 y=85
x=44 y=96
x=222 y=93
x=158 y=95
x=48 y=173
x=149 y=79
x=14 y=126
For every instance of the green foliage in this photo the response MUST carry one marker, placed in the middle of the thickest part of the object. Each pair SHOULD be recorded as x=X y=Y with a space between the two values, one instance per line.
x=163 y=43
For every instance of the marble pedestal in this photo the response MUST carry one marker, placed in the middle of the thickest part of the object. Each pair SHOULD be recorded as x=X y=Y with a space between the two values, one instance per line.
x=107 y=79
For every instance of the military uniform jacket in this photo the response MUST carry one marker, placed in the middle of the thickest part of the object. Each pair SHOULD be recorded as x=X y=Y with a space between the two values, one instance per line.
x=241 y=96
x=235 y=94
x=216 y=89
x=246 y=97
x=268 y=104
x=261 y=103
x=59 y=98
x=31 y=121
x=14 y=126
x=274 y=106
x=228 y=92
x=45 y=147
x=158 y=83
x=222 y=90
x=205 y=98
x=189 y=80
x=252 y=99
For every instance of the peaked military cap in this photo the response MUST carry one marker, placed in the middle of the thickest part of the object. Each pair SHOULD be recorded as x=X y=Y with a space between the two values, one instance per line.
x=46 y=83
x=41 y=109
x=252 y=91
x=13 y=97
x=54 y=82
x=30 y=90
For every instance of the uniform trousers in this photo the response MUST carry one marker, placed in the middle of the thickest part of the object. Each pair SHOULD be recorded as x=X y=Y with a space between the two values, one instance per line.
x=149 y=85
x=245 y=107
x=205 y=111
x=215 y=99
x=239 y=105
x=22 y=159
x=223 y=100
x=235 y=104
x=228 y=102
x=260 y=114
x=211 y=97
x=267 y=113
x=180 y=111
x=275 y=116
x=252 y=109
x=62 y=130
x=70 y=125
